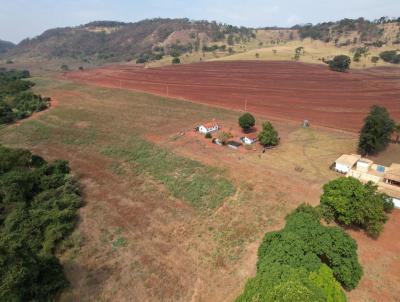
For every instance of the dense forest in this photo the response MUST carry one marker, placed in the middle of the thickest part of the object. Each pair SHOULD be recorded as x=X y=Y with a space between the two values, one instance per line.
x=38 y=209
x=16 y=99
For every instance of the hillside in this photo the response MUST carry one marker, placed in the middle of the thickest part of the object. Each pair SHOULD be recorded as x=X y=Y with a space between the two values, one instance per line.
x=116 y=41
x=5 y=46
x=158 y=40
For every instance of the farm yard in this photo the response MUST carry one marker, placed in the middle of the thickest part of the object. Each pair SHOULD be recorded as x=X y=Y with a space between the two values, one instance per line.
x=282 y=90
x=146 y=230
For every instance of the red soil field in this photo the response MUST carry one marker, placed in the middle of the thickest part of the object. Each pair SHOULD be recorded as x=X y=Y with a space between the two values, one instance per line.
x=282 y=90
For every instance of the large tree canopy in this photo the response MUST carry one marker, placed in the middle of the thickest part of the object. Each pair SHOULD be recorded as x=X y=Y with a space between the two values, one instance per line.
x=305 y=261
x=376 y=132
x=247 y=121
x=38 y=205
x=354 y=204
x=268 y=135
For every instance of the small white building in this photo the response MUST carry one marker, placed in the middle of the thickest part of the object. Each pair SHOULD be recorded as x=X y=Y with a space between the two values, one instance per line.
x=392 y=183
x=346 y=162
x=249 y=139
x=208 y=127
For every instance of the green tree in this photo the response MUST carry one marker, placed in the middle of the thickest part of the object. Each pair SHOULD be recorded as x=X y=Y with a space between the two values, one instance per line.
x=268 y=135
x=376 y=132
x=340 y=63
x=64 y=67
x=247 y=121
x=231 y=40
x=6 y=113
x=305 y=261
x=390 y=56
x=176 y=60
x=353 y=204
x=324 y=279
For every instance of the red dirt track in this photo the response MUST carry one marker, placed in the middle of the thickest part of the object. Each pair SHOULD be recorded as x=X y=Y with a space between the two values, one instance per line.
x=283 y=90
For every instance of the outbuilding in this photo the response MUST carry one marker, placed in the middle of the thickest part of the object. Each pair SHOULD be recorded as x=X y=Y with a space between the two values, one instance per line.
x=346 y=162
x=208 y=127
x=233 y=144
x=249 y=139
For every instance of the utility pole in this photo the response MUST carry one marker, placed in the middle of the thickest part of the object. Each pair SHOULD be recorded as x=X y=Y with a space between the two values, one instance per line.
x=245 y=105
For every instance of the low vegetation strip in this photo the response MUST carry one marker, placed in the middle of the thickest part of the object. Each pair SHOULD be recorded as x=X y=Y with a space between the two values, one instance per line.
x=38 y=209
x=201 y=186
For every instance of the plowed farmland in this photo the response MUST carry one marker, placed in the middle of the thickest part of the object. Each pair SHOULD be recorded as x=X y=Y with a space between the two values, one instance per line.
x=282 y=90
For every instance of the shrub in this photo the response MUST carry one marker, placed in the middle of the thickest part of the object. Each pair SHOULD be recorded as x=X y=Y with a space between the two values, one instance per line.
x=377 y=130
x=176 y=61
x=374 y=59
x=208 y=135
x=340 y=63
x=390 y=56
x=353 y=204
x=247 y=121
x=268 y=135
x=64 y=67
x=224 y=137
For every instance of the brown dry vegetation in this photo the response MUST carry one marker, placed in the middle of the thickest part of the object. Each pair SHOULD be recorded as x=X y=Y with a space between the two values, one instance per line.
x=135 y=241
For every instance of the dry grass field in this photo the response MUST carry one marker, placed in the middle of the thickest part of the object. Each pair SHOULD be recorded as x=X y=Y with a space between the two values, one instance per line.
x=314 y=51
x=141 y=235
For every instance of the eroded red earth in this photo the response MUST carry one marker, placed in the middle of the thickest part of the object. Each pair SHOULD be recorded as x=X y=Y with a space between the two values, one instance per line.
x=284 y=90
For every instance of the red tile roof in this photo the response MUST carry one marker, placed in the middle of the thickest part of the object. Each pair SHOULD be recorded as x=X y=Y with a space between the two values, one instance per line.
x=252 y=136
x=210 y=124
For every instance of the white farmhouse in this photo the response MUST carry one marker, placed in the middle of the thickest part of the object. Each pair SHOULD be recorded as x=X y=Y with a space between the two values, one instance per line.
x=208 y=127
x=346 y=162
x=249 y=139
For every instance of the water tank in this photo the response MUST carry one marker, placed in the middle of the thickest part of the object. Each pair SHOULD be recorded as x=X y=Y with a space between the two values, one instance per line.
x=380 y=169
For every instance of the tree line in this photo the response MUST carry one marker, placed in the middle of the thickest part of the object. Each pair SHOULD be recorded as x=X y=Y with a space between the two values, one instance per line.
x=38 y=209
x=16 y=100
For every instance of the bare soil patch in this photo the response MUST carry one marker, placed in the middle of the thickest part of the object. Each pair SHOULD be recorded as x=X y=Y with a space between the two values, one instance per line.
x=286 y=90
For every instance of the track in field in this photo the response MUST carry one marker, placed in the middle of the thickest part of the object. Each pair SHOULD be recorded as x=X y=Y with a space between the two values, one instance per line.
x=287 y=90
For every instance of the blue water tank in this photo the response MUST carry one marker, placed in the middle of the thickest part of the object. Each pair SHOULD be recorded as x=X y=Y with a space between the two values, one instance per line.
x=380 y=169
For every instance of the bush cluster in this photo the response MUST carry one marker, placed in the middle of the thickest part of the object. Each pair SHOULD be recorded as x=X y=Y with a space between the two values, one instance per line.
x=16 y=101
x=390 y=56
x=38 y=206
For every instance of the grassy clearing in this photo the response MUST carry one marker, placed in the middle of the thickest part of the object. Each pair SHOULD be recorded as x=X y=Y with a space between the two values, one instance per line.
x=314 y=51
x=201 y=186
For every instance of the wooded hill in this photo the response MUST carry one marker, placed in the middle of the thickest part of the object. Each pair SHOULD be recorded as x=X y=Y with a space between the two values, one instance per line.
x=148 y=40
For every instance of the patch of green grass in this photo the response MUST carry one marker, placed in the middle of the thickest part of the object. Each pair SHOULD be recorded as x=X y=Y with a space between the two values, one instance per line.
x=79 y=137
x=201 y=186
x=119 y=242
x=34 y=131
